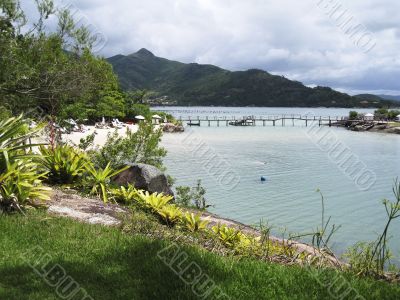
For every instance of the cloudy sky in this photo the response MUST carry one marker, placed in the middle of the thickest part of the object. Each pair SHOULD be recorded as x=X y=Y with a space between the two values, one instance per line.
x=353 y=47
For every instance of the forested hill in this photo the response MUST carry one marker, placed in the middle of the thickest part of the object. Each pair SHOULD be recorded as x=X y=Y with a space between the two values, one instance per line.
x=195 y=84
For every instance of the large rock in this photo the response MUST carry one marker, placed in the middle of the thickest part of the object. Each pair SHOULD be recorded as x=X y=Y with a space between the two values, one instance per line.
x=144 y=177
x=171 y=128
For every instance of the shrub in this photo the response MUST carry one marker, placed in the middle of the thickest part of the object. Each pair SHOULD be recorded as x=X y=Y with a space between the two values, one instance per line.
x=4 y=113
x=192 y=197
x=64 y=164
x=14 y=137
x=183 y=196
x=86 y=142
x=194 y=222
x=154 y=201
x=230 y=237
x=170 y=214
x=353 y=115
x=126 y=195
x=137 y=147
x=20 y=183
x=99 y=180
x=21 y=187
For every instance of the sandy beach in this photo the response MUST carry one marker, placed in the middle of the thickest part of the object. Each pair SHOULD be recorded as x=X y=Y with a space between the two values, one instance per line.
x=100 y=137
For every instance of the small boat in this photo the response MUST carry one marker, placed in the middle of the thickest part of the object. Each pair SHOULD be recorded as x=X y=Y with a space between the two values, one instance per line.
x=193 y=123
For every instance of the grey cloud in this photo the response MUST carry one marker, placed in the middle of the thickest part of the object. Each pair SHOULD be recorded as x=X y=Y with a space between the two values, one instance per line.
x=288 y=37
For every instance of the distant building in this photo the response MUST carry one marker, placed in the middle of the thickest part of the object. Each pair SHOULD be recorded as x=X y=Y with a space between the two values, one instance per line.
x=369 y=117
x=398 y=118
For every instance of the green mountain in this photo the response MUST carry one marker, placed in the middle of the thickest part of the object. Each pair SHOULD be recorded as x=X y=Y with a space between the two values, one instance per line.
x=195 y=84
x=390 y=97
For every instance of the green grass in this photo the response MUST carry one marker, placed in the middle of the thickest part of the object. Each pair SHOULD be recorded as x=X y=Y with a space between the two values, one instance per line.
x=111 y=264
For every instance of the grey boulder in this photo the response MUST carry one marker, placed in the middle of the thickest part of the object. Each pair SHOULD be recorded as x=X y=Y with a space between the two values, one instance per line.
x=145 y=177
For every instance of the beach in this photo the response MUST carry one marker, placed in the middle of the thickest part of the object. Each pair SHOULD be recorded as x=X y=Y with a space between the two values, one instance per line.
x=100 y=136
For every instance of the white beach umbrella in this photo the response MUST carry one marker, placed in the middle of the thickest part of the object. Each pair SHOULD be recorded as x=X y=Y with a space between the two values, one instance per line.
x=140 y=118
x=157 y=117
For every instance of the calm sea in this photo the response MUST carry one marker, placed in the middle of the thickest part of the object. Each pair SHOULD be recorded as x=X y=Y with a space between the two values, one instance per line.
x=296 y=161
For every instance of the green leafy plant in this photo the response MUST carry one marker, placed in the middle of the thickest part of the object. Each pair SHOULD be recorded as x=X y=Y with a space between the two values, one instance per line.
x=194 y=222
x=192 y=197
x=154 y=201
x=20 y=183
x=15 y=137
x=230 y=237
x=353 y=115
x=21 y=186
x=87 y=142
x=170 y=214
x=136 y=147
x=99 y=179
x=64 y=164
x=126 y=195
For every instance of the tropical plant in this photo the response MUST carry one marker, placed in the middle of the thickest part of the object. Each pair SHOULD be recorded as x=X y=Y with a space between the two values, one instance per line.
x=21 y=186
x=230 y=237
x=14 y=136
x=126 y=195
x=194 y=222
x=99 y=179
x=64 y=164
x=154 y=201
x=170 y=214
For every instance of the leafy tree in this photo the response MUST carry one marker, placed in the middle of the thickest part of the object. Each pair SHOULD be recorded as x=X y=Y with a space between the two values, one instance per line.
x=53 y=71
x=139 y=109
x=353 y=115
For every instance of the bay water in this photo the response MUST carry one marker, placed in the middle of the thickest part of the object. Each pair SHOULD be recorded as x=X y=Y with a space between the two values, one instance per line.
x=295 y=165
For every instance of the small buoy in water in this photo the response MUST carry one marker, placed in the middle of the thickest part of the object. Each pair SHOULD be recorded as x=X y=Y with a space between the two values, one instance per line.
x=263 y=178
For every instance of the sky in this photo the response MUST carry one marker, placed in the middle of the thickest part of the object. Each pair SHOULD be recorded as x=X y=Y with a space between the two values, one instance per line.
x=352 y=47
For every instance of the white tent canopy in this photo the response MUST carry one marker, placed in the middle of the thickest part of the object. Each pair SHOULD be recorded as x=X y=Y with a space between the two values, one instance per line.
x=369 y=115
x=398 y=117
x=140 y=118
x=156 y=117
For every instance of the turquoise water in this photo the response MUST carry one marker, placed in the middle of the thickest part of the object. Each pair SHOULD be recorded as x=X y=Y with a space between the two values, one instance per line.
x=296 y=162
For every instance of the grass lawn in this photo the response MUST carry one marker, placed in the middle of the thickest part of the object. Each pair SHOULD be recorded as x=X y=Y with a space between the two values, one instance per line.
x=110 y=264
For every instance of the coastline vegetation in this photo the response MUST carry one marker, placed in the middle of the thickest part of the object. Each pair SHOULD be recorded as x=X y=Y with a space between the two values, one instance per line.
x=67 y=165
x=380 y=114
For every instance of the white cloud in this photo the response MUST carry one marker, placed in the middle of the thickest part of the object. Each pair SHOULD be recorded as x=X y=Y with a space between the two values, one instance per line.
x=289 y=37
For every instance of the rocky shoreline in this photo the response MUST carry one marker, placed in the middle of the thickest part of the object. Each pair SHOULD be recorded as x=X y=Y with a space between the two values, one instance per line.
x=364 y=126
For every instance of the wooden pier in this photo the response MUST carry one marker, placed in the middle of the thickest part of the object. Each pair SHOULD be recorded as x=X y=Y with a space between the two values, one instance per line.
x=282 y=120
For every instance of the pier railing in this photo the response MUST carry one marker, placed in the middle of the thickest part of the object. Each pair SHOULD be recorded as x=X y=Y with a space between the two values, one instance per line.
x=264 y=120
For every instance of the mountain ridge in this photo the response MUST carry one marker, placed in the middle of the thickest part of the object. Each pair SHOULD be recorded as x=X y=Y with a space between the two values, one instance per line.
x=205 y=84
